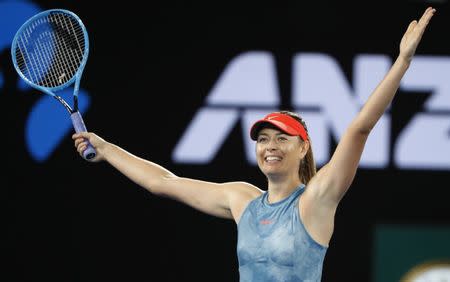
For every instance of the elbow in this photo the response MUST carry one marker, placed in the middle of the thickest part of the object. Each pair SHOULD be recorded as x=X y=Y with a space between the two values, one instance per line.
x=361 y=129
x=364 y=124
x=364 y=131
x=160 y=186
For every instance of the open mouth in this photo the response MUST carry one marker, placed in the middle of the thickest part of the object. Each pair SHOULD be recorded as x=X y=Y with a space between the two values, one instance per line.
x=272 y=159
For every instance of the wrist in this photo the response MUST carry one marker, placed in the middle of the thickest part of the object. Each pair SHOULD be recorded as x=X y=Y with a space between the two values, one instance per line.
x=106 y=150
x=406 y=61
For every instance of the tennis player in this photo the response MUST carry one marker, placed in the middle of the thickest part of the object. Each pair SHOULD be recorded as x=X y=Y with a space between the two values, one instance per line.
x=283 y=230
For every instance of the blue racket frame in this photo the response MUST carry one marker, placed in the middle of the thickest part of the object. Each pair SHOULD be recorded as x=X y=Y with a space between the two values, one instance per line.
x=75 y=115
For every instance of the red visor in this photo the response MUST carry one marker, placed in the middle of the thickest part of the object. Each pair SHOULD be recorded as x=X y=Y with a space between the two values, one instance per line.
x=284 y=122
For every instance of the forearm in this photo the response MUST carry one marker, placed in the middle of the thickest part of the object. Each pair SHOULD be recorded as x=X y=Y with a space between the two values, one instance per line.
x=334 y=179
x=143 y=172
x=381 y=97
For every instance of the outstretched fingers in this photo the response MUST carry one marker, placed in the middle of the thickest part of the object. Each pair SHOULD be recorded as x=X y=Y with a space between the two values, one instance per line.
x=425 y=19
x=411 y=26
x=413 y=34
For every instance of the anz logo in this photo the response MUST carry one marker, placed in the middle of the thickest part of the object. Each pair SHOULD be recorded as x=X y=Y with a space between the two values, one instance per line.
x=48 y=123
x=248 y=89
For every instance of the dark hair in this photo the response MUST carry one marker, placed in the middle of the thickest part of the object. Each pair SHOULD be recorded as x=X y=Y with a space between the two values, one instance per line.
x=307 y=164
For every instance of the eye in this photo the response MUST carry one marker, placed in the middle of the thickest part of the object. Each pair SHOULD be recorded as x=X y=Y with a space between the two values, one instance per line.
x=261 y=139
x=282 y=138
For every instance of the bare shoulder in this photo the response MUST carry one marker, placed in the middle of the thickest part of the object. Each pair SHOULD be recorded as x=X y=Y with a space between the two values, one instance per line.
x=243 y=188
x=316 y=212
x=316 y=187
x=316 y=200
x=240 y=194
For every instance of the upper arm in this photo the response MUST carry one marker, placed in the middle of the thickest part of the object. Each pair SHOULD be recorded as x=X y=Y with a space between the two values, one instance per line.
x=217 y=199
x=325 y=190
x=334 y=179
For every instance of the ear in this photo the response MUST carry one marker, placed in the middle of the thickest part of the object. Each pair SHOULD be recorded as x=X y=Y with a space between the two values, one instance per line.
x=305 y=148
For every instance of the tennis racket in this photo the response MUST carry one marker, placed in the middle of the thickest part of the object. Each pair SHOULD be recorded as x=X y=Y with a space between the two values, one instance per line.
x=49 y=52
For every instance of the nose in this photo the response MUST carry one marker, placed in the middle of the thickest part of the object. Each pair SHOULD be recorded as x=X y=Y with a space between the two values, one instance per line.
x=272 y=145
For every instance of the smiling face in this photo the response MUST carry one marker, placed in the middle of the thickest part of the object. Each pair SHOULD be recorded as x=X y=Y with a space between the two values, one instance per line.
x=278 y=153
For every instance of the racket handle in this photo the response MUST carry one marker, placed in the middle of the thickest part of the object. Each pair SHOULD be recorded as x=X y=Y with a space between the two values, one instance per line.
x=79 y=126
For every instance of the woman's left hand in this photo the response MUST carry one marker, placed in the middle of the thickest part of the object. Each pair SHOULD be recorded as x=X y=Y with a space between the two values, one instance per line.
x=413 y=35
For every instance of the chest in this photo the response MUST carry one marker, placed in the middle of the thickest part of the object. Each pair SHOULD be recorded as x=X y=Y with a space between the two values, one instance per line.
x=267 y=238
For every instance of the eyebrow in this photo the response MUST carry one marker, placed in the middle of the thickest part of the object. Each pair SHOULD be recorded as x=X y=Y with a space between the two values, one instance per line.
x=280 y=133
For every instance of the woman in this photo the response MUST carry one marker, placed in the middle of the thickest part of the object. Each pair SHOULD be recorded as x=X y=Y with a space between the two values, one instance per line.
x=283 y=233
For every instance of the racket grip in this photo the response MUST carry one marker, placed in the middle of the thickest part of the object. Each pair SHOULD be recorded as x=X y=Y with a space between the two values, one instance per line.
x=79 y=126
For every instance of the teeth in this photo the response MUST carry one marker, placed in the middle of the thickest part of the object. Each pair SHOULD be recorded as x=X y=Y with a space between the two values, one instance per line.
x=273 y=159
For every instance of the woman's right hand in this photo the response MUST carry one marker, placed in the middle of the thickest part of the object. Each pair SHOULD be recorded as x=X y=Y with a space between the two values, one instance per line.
x=97 y=142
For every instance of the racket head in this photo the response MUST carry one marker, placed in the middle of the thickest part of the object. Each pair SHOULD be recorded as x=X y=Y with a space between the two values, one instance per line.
x=50 y=50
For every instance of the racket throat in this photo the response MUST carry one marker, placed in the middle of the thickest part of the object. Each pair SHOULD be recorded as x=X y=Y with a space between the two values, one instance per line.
x=64 y=103
x=75 y=103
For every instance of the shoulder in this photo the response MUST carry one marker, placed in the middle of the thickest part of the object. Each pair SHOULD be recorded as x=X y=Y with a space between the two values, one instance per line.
x=240 y=194
x=318 y=185
x=242 y=189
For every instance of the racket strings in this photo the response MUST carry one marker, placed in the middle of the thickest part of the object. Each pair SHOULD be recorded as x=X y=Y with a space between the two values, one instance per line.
x=65 y=63
x=67 y=58
x=50 y=50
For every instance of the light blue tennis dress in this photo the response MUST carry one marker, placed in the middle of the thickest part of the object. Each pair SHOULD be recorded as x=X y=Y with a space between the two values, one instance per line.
x=273 y=245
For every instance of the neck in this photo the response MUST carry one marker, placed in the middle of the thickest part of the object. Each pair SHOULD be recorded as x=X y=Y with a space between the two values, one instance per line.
x=281 y=187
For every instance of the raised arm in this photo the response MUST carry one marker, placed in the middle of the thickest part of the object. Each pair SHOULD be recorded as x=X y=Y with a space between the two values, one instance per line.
x=224 y=200
x=334 y=178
